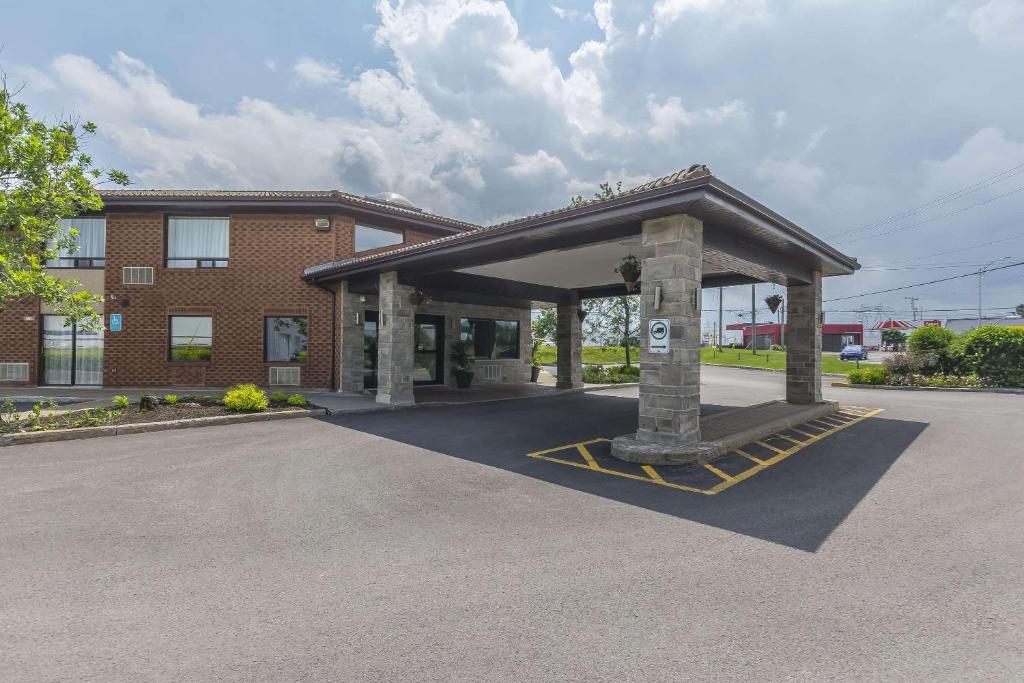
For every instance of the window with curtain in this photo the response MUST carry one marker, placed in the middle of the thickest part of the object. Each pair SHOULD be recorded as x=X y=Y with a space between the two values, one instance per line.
x=287 y=339
x=369 y=237
x=191 y=338
x=491 y=338
x=87 y=248
x=197 y=242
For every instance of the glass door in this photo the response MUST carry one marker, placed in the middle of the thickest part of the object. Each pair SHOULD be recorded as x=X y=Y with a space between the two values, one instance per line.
x=428 y=349
x=370 y=350
x=69 y=355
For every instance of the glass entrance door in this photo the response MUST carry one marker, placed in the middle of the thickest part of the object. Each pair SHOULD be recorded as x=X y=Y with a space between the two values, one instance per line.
x=428 y=349
x=370 y=350
x=69 y=355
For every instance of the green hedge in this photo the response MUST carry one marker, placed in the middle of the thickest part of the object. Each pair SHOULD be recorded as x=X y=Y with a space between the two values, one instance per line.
x=996 y=353
x=872 y=374
x=597 y=374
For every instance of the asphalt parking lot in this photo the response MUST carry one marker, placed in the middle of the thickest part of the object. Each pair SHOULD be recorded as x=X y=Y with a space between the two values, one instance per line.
x=427 y=544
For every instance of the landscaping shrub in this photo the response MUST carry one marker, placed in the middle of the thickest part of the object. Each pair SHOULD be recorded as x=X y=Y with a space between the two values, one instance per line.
x=171 y=399
x=868 y=375
x=246 y=398
x=930 y=339
x=121 y=402
x=279 y=397
x=939 y=347
x=612 y=374
x=904 y=364
x=298 y=400
x=997 y=353
x=594 y=374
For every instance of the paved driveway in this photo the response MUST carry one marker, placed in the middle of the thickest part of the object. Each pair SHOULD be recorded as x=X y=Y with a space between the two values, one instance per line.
x=424 y=544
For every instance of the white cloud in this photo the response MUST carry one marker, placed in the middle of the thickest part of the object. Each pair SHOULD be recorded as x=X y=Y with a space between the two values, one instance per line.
x=311 y=72
x=999 y=24
x=270 y=63
x=538 y=164
x=603 y=13
x=780 y=118
x=668 y=12
x=668 y=118
x=793 y=177
x=984 y=154
x=570 y=14
x=817 y=135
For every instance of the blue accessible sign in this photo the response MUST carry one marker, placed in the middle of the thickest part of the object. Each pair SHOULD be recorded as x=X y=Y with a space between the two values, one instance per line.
x=115 y=322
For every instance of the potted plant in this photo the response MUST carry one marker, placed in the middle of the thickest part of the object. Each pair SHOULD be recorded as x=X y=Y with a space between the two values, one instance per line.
x=773 y=301
x=629 y=269
x=535 y=361
x=462 y=365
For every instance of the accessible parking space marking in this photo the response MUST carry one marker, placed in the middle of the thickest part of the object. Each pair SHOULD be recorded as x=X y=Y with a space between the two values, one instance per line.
x=720 y=474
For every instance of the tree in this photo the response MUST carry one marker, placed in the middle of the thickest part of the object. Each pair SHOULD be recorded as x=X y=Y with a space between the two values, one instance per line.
x=606 y=192
x=1019 y=309
x=894 y=338
x=614 y=321
x=44 y=176
x=545 y=325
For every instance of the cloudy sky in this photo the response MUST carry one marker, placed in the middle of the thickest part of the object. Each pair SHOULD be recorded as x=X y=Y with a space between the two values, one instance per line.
x=891 y=128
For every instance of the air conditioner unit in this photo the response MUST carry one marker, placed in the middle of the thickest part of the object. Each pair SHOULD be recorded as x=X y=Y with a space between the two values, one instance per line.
x=285 y=377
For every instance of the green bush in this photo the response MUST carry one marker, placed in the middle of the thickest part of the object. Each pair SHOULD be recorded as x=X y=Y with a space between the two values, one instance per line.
x=246 y=398
x=171 y=399
x=279 y=397
x=930 y=339
x=298 y=400
x=875 y=374
x=121 y=402
x=612 y=374
x=997 y=353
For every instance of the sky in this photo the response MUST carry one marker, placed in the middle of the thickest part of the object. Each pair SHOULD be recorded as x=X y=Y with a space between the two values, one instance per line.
x=892 y=129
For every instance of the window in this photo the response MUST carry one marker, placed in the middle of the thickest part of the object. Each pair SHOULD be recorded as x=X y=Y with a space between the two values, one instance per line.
x=191 y=338
x=285 y=339
x=88 y=248
x=368 y=237
x=197 y=242
x=491 y=338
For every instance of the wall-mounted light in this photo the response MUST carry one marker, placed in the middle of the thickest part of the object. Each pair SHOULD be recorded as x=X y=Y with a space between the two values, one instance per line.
x=323 y=224
x=657 y=297
x=359 y=318
x=695 y=299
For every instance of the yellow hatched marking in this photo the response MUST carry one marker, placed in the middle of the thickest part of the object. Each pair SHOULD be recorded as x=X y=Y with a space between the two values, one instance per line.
x=719 y=473
x=652 y=473
x=769 y=446
x=787 y=438
x=802 y=433
x=748 y=456
x=728 y=481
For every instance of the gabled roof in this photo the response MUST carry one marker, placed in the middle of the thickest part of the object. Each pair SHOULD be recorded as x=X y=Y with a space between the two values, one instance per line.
x=264 y=198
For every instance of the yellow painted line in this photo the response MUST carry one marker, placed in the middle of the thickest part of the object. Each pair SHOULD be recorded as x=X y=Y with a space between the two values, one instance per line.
x=652 y=473
x=718 y=472
x=787 y=438
x=769 y=446
x=728 y=481
x=800 y=431
x=588 y=457
x=748 y=456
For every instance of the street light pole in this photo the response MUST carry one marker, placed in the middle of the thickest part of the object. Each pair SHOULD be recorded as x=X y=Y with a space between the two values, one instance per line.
x=981 y=278
x=753 y=320
x=719 y=318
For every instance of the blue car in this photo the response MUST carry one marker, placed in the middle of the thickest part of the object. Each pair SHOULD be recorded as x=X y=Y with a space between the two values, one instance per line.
x=853 y=352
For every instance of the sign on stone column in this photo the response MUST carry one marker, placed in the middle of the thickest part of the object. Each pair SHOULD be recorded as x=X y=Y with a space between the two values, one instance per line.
x=658 y=335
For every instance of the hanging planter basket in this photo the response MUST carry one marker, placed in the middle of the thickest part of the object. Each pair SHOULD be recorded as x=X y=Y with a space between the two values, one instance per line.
x=773 y=301
x=629 y=269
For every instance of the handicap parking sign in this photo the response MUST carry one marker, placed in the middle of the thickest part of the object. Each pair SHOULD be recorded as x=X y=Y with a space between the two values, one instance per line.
x=115 y=322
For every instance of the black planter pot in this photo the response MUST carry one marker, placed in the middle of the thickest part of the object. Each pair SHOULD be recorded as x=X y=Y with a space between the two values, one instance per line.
x=534 y=373
x=463 y=378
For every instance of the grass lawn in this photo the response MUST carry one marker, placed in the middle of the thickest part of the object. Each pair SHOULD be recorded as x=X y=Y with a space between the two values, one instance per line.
x=776 y=360
x=599 y=355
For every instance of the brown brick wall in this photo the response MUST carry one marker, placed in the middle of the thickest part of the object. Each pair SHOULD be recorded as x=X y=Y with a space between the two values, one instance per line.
x=19 y=336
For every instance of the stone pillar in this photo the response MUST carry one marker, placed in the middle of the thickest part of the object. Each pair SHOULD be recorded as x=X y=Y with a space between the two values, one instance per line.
x=569 y=340
x=395 y=342
x=803 y=342
x=669 y=424
x=350 y=340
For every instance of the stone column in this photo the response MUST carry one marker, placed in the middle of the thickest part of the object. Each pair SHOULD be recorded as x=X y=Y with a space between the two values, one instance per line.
x=669 y=424
x=569 y=340
x=803 y=342
x=350 y=340
x=395 y=342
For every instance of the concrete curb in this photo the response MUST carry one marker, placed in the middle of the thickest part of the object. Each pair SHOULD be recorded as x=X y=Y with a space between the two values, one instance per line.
x=963 y=390
x=145 y=427
x=747 y=367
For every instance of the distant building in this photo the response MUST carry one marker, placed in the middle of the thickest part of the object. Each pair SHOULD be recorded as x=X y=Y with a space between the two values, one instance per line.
x=961 y=325
x=834 y=336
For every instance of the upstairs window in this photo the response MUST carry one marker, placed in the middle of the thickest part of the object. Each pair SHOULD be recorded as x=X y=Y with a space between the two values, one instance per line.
x=491 y=338
x=88 y=244
x=369 y=237
x=197 y=242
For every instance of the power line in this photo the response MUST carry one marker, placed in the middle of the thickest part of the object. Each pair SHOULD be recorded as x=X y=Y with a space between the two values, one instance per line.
x=930 y=220
x=945 y=199
x=930 y=282
x=956 y=251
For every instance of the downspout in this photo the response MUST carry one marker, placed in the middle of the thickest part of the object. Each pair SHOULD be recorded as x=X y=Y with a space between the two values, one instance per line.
x=334 y=333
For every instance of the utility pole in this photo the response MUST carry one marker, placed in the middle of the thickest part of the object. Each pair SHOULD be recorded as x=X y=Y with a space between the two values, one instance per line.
x=720 y=318
x=913 y=306
x=753 y=319
x=782 y=324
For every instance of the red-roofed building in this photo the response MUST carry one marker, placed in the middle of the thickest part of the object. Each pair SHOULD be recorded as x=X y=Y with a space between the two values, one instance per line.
x=834 y=336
